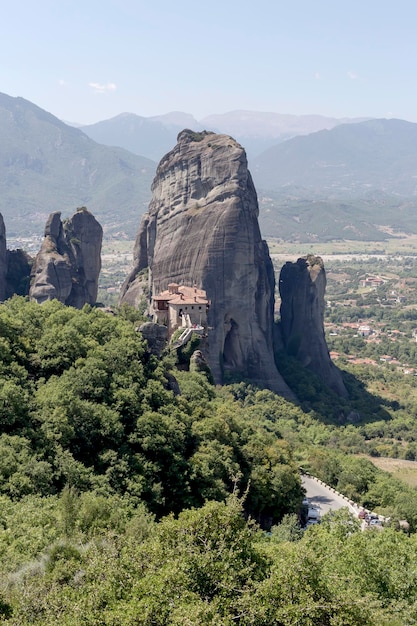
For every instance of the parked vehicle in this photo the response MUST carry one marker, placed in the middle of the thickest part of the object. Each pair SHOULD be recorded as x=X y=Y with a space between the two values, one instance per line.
x=312 y=522
x=313 y=513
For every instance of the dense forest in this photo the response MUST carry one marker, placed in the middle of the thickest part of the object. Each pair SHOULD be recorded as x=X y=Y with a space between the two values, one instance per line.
x=134 y=492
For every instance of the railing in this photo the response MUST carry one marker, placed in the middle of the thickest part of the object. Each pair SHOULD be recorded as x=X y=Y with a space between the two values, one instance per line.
x=183 y=338
x=354 y=507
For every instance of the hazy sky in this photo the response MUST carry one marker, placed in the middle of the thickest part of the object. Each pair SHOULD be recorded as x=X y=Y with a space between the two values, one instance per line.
x=89 y=60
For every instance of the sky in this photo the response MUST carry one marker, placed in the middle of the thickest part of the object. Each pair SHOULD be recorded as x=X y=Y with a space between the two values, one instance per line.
x=89 y=60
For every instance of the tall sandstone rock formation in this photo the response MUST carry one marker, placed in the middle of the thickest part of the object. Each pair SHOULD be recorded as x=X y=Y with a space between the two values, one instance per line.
x=68 y=264
x=3 y=259
x=302 y=287
x=202 y=229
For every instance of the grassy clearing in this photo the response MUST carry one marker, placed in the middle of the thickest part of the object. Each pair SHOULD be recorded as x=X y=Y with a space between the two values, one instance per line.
x=406 y=471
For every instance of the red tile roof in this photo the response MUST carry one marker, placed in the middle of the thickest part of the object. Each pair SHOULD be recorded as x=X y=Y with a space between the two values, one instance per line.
x=183 y=295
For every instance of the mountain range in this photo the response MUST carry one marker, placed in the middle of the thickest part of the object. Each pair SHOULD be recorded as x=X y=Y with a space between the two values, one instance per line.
x=46 y=166
x=255 y=131
x=329 y=179
x=355 y=181
x=376 y=154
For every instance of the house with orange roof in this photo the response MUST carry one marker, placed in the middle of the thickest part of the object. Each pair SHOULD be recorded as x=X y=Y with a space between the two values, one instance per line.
x=181 y=306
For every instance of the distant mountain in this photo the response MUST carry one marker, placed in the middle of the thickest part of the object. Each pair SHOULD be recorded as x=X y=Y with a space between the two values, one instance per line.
x=177 y=119
x=155 y=136
x=376 y=154
x=257 y=131
x=152 y=136
x=271 y=125
x=46 y=165
x=353 y=181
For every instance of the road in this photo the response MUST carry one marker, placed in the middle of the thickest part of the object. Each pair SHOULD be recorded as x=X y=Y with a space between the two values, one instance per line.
x=323 y=497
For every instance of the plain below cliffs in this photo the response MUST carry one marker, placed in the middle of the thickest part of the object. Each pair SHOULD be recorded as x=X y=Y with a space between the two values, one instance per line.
x=302 y=287
x=68 y=264
x=202 y=229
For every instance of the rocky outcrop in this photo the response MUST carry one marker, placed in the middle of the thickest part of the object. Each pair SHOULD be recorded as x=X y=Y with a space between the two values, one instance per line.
x=202 y=229
x=69 y=262
x=199 y=364
x=302 y=286
x=15 y=268
x=156 y=336
x=3 y=259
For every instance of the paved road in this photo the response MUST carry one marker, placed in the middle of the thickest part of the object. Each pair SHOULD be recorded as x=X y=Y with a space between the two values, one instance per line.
x=322 y=497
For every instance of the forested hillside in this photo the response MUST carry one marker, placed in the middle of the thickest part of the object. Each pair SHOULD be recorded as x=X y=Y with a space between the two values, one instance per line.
x=47 y=165
x=84 y=405
x=136 y=493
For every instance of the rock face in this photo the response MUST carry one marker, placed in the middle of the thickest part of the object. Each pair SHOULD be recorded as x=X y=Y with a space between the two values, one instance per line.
x=156 y=335
x=202 y=229
x=15 y=268
x=3 y=259
x=19 y=265
x=69 y=262
x=302 y=286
